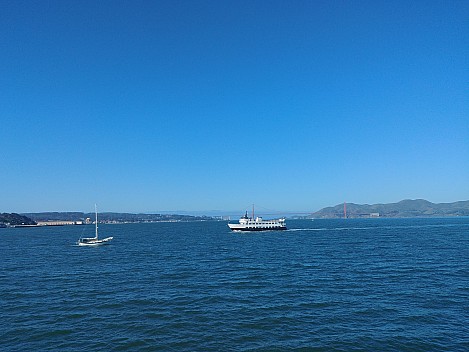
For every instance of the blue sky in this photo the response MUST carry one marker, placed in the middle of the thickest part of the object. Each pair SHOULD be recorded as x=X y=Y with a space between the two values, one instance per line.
x=146 y=106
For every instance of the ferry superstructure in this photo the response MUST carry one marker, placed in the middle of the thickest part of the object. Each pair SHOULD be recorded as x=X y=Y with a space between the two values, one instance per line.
x=258 y=224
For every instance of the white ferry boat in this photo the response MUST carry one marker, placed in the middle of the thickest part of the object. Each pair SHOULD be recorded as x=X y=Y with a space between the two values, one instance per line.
x=257 y=224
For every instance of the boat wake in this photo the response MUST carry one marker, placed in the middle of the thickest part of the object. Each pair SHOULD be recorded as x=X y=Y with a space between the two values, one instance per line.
x=375 y=227
x=294 y=230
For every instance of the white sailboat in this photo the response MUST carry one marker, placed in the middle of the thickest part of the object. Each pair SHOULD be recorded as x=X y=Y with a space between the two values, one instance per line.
x=94 y=241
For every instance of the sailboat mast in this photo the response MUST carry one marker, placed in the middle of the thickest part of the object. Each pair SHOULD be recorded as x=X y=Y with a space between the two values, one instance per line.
x=253 y=212
x=96 y=219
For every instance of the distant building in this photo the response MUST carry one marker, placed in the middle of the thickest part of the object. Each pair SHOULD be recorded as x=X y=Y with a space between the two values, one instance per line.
x=374 y=215
x=55 y=223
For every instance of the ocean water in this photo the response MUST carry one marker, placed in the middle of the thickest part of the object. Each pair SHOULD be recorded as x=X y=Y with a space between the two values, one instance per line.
x=322 y=285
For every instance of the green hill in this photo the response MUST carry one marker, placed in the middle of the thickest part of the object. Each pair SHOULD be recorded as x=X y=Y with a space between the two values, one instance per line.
x=403 y=209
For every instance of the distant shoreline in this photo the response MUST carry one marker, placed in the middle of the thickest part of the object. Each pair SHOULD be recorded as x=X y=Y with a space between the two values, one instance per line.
x=418 y=208
x=213 y=220
x=54 y=224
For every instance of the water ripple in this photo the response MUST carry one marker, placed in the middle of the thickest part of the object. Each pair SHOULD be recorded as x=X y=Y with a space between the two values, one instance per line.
x=327 y=285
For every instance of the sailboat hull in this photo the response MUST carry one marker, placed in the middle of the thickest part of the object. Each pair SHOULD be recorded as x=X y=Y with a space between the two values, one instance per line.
x=95 y=242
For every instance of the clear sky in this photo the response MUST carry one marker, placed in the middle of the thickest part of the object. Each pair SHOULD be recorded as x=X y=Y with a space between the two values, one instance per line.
x=144 y=106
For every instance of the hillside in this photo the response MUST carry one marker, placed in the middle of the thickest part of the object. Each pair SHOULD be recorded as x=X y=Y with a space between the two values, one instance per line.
x=403 y=209
x=13 y=219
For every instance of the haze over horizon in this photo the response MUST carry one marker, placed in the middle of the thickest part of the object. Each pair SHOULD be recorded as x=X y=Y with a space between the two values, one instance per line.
x=291 y=105
x=261 y=211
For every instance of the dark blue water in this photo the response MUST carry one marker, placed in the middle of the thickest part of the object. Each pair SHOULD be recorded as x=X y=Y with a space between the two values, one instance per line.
x=324 y=285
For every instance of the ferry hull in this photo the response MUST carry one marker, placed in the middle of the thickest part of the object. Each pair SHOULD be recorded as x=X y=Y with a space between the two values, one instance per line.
x=258 y=230
x=252 y=229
